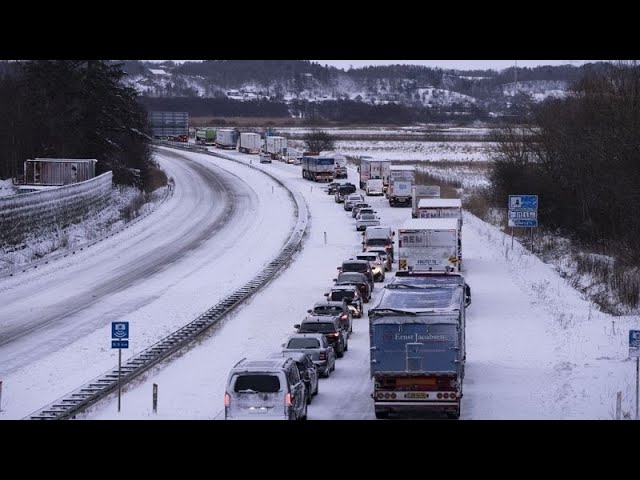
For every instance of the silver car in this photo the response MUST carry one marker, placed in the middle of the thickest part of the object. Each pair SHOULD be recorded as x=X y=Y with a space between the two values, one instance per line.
x=377 y=264
x=365 y=220
x=351 y=200
x=357 y=206
x=316 y=346
x=384 y=255
x=265 y=389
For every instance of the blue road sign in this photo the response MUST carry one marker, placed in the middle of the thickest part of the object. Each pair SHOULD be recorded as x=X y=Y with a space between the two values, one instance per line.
x=119 y=343
x=119 y=330
x=634 y=343
x=523 y=202
x=523 y=218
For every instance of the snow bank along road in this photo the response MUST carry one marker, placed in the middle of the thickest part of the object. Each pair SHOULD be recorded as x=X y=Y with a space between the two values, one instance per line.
x=159 y=274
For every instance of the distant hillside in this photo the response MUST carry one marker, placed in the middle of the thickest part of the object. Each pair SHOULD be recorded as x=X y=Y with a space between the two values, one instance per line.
x=295 y=82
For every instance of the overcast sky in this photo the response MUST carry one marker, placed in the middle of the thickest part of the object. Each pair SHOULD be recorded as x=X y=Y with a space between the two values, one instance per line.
x=455 y=64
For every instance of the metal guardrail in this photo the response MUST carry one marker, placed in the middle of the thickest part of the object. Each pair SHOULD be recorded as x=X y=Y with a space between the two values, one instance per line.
x=83 y=397
x=72 y=251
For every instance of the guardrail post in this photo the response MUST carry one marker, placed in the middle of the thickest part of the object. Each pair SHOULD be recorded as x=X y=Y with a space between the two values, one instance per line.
x=325 y=238
x=618 y=405
x=0 y=395
x=155 y=398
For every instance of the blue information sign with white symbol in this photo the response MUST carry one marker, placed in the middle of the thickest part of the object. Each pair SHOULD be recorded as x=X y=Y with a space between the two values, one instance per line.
x=523 y=211
x=523 y=202
x=119 y=343
x=634 y=343
x=119 y=330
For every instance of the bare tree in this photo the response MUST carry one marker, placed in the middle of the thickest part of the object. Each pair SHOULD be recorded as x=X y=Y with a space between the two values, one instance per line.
x=318 y=140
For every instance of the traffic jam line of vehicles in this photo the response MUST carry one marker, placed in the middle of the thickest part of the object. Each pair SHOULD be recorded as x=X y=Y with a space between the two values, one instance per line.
x=417 y=327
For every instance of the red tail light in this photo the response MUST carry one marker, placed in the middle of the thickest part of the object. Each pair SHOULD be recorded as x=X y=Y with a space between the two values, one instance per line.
x=336 y=334
x=323 y=355
x=287 y=400
x=227 y=400
x=344 y=316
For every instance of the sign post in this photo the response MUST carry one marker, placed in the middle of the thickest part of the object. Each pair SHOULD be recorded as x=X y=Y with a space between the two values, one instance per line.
x=523 y=212
x=634 y=351
x=119 y=340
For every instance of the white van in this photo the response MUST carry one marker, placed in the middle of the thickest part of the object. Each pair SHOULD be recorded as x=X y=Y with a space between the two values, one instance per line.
x=381 y=236
x=375 y=187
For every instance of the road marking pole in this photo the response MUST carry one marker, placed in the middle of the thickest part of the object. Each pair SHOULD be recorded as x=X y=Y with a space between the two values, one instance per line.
x=155 y=398
x=637 y=385
x=119 y=375
x=618 y=405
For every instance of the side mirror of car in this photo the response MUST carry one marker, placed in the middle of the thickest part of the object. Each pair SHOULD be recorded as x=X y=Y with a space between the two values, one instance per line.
x=282 y=345
x=334 y=279
x=309 y=311
x=326 y=295
x=297 y=326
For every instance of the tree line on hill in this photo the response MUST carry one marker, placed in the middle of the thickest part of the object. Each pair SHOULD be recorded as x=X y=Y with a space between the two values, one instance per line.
x=73 y=109
x=580 y=155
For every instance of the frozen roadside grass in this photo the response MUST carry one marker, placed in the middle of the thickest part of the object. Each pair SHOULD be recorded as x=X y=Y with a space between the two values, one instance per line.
x=124 y=205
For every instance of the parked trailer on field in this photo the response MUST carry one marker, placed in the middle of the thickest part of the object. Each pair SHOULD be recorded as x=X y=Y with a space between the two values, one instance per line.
x=277 y=147
x=401 y=179
x=317 y=168
x=374 y=169
x=341 y=163
x=418 y=192
x=417 y=344
x=227 y=138
x=250 y=143
x=205 y=136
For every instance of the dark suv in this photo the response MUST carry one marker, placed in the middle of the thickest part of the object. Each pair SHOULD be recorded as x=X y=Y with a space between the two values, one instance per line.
x=360 y=266
x=350 y=294
x=343 y=191
x=357 y=279
x=330 y=327
x=330 y=308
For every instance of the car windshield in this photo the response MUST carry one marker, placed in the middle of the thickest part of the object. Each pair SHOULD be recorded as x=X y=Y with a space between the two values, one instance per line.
x=327 y=310
x=377 y=241
x=367 y=216
x=303 y=343
x=342 y=295
x=355 y=267
x=317 y=327
x=256 y=383
x=351 y=277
